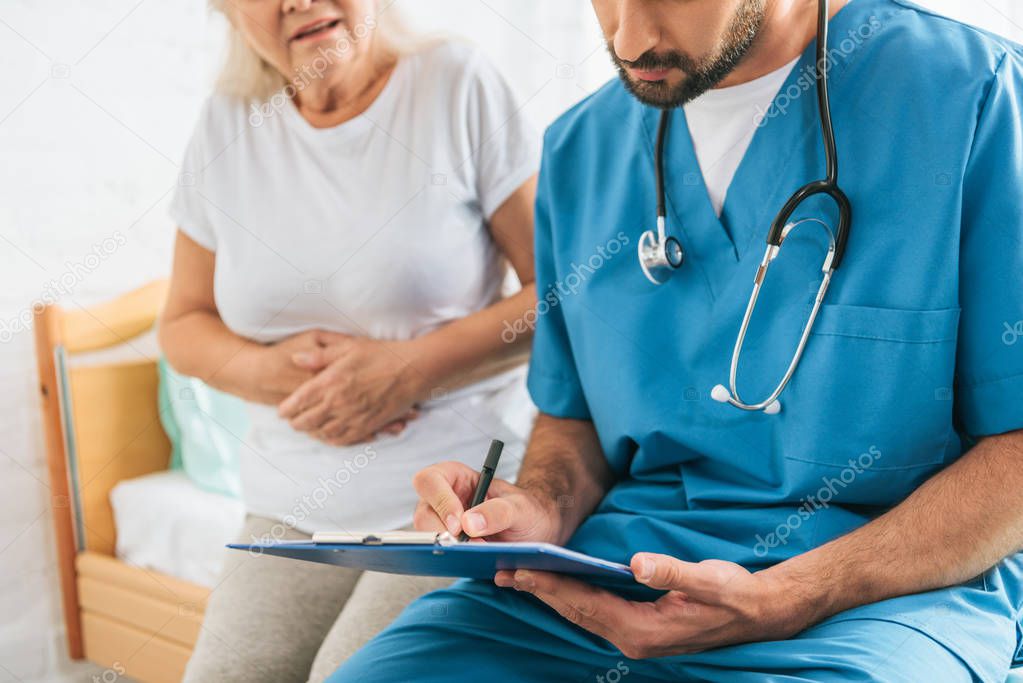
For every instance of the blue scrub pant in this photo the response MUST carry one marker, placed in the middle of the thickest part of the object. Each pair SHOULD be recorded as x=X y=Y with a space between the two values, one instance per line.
x=475 y=631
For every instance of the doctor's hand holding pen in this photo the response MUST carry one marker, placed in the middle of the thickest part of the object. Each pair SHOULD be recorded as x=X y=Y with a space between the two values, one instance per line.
x=509 y=513
x=533 y=508
x=564 y=476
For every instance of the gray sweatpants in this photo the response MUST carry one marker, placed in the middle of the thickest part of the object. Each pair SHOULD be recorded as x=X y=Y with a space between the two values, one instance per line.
x=275 y=620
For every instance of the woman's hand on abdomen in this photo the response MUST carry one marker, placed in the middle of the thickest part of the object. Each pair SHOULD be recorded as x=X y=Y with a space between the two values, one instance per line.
x=274 y=373
x=362 y=387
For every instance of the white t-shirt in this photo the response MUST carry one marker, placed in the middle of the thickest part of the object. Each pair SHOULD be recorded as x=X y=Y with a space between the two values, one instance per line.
x=722 y=123
x=377 y=228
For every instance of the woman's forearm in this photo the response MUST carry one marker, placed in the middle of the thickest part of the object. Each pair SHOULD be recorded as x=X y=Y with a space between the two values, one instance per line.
x=472 y=348
x=194 y=338
x=496 y=338
x=199 y=344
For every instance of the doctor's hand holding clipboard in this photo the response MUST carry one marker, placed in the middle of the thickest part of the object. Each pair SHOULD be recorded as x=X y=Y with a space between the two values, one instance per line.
x=563 y=477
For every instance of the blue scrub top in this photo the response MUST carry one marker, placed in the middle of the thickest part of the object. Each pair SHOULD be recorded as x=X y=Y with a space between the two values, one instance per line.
x=918 y=349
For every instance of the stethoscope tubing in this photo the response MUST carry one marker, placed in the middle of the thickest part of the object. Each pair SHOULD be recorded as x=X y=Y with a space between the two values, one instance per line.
x=652 y=248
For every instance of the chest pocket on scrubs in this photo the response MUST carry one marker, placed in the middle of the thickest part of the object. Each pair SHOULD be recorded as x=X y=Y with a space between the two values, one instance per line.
x=875 y=384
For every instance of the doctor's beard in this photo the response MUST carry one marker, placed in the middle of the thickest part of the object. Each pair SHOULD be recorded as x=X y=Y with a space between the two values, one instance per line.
x=700 y=74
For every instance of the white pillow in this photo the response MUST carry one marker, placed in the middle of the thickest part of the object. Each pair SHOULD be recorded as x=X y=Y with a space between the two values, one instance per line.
x=166 y=523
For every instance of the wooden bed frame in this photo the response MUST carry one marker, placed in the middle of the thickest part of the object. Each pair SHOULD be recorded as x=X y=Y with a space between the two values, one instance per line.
x=101 y=422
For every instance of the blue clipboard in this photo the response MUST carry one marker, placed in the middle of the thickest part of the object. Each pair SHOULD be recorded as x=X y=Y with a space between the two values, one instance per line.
x=465 y=560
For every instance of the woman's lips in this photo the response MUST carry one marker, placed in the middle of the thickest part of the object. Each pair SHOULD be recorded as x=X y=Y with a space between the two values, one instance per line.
x=650 y=75
x=317 y=34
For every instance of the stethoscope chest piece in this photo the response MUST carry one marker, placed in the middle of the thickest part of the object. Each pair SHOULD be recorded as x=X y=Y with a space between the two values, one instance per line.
x=659 y=256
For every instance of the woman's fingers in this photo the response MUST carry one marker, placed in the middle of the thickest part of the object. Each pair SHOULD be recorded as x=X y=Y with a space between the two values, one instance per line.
x=328 y=338
x=299 y=400
x=317 y=358
x=332 y=428
x=394 y=428
x=313 y=359
x=345 y=439
x=340 y=432
x=311 y=419
x=399 y=425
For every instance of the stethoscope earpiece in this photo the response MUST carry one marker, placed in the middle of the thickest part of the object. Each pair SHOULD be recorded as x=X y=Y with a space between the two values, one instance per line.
x=721 y=394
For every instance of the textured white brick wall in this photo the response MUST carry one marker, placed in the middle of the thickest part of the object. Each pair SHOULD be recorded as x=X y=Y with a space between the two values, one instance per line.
x=97 y=100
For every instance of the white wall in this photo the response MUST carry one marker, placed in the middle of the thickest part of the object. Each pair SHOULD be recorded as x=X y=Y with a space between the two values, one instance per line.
x=1000 y=16
x=97 y=100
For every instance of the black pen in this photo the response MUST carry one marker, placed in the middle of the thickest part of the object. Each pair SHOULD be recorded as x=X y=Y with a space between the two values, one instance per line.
x=486 y=475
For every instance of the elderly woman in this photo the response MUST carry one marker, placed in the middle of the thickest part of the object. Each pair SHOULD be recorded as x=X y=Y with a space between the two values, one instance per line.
x=348 y=208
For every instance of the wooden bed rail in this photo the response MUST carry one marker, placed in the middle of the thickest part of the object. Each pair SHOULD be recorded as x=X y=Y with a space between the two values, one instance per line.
x=47 y=338
x=59 y=332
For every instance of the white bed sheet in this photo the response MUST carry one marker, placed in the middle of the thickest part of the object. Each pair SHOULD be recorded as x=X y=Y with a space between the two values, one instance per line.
x=167 y=523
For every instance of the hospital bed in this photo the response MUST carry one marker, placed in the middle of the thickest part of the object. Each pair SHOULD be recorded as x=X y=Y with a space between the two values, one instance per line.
x=102 y=426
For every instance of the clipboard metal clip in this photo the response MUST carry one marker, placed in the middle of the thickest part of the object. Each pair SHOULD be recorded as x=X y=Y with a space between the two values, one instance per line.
x=443 y=538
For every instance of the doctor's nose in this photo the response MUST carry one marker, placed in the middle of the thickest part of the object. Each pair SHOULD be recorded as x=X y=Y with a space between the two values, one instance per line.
x=636 y=32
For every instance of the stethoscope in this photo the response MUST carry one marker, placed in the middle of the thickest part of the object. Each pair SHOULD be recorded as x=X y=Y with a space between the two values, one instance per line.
x=660 y=255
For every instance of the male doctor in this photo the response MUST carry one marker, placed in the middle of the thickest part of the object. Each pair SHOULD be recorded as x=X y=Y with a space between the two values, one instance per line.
x=868 y=530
